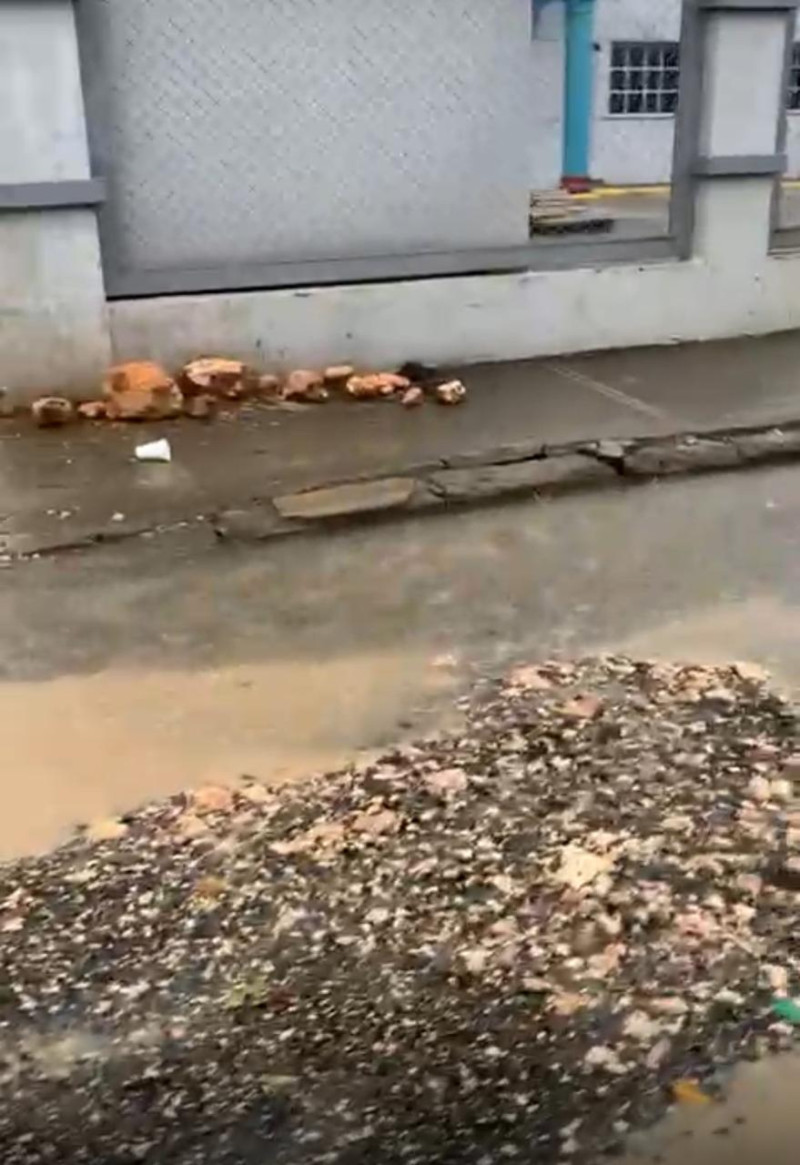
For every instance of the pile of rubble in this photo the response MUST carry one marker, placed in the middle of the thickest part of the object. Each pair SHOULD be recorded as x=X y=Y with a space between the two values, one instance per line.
x=144 y=391
x=517 y=941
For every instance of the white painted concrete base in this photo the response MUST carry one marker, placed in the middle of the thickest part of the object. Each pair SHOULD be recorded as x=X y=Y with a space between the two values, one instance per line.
x=53 y=318
x=501 y=317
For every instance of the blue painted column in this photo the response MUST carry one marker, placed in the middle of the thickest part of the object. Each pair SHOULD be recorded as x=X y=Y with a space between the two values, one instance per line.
x=578 y=92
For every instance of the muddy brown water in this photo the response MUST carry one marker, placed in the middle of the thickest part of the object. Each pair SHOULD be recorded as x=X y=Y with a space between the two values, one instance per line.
x=757 y=1122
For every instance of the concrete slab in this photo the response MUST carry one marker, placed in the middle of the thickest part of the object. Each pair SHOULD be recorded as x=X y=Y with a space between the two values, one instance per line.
x=733 y=383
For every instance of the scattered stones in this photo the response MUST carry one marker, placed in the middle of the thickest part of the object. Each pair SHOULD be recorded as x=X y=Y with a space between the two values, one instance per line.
x=217 y=377
x=453 y=392
x=141 y=391
x=51 y=412
x=531 y=931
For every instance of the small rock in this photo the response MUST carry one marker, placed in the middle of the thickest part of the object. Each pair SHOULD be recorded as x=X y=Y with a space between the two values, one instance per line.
x=447 y=782
x=211 y=799
x=325 y=835
x=579 y=867
x=669 y=1005
x=376 y=823
x=201 y=407
x=92 y=410
x=583 y=708
x=451 y=393
x=412 y=398
x=305 y=385
x=376 y=385
x=217 y=376
x=639 y=1026
x=141 y=391
x=106 y=829
x=567 y=1003
x=210 y=887
x=606 y=1058
x=776 y=977
x=781 y=790
x=51 y=412
x=338 y=373
x=759 y=789
x=189 y=827
x=658 y=1053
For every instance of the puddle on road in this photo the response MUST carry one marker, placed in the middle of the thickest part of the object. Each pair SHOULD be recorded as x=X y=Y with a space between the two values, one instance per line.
x=91 y=746
x=759 y=1121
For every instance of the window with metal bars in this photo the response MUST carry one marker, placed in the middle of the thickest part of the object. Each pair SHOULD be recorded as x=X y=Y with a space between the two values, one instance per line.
x=645 y=77
x=793 y=96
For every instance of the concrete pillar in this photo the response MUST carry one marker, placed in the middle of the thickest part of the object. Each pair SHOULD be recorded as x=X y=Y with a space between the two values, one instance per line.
x=742 y=55
x=53 y=321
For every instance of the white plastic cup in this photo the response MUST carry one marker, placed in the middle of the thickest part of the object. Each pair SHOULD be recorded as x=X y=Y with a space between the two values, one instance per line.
x=154 y=451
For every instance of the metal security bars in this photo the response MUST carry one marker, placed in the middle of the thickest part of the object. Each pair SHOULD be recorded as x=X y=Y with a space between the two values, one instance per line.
x=645 y=78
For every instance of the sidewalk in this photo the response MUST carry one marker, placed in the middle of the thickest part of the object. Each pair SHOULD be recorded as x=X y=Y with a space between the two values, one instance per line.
x=68 y=487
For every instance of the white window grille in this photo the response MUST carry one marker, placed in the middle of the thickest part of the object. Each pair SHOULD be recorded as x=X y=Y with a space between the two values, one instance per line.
x=645 y=77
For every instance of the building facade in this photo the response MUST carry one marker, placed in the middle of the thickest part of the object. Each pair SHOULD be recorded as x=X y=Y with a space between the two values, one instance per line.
x=636 y=69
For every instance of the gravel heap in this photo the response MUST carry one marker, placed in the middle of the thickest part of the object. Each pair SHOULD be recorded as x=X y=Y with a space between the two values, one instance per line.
x=505 y=943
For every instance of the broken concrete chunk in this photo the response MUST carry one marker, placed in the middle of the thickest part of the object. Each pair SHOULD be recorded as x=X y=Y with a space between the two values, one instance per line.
x=51 y=412
x=217 y=376
x=413 y=397
x=376 y=385
x=141 y=391
x=305 y=384
x=338 y=373
x=453 y=392
x=341 y=501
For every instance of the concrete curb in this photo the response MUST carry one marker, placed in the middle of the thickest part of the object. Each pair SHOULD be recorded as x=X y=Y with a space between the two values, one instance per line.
x=526 y=469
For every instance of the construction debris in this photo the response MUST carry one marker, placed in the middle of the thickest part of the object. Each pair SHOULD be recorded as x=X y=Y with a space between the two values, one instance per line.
x=51 y=412
x=217 y=377
x=141 y=391
x=518 y=940
x=453 y=392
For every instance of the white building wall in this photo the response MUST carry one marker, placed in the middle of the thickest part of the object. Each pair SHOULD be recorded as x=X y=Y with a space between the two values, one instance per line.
x=631 y=149
x=625 y=150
